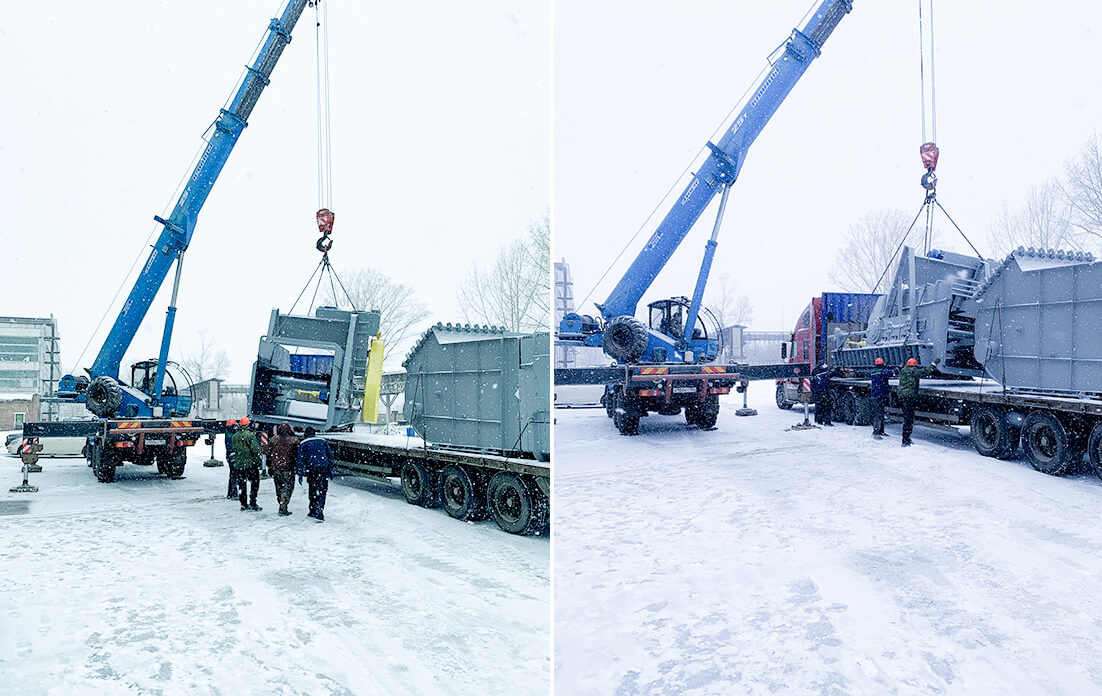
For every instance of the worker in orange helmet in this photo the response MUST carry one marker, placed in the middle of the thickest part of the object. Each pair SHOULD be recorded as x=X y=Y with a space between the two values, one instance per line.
x=878 y=391
x=909 y=377
x=231 y=492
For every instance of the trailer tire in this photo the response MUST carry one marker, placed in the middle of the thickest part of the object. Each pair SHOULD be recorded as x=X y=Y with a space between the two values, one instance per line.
x=459 y=494
x=847 y=404
x=625 y=339
x=103 y=397
x=863 y=410
x=1094 y=449
x=1049 y=446
x=419 y=484
x=782 y=401
x=541 y=515
x=992 y=433
x=510 y=503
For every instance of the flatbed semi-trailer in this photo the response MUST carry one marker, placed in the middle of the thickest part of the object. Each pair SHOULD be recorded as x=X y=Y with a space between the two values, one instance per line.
x=1054 y=431
x=469 y=485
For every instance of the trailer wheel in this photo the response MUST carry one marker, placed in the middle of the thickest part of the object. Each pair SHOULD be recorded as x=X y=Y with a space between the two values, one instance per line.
x=104 y=461
x=1094 y=449
x=848 y=403
x=103 y=397
x=992 y=433
x=782 y=401
x=461 y=498
x=172 y=464
x=1049 y=447
x=510 y=503
x=541 y=515
x=419 y=484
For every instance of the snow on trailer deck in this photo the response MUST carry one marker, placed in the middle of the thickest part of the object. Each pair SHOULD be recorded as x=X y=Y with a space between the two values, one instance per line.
x=751 y=560
x=153 y=586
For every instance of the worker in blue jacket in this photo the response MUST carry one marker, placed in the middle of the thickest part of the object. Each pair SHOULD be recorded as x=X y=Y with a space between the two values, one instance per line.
x=315 y=462
x=878 y=390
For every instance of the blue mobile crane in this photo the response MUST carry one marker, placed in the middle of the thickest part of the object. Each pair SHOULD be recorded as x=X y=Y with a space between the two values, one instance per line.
x=143 y=421
x=664 y=364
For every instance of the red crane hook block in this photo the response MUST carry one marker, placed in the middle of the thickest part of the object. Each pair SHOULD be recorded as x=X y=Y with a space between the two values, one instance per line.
x=325 y=220
x=929 y=154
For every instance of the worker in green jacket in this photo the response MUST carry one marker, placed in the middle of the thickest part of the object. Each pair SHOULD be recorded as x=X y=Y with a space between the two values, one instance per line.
x=246 y=461
x=909 y=377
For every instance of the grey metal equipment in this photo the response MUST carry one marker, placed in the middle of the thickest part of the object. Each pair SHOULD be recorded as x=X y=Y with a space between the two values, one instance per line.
x=312 y=370
x=1038 y=322
x=481 y=388
x=1032 y=322
x=745 y=410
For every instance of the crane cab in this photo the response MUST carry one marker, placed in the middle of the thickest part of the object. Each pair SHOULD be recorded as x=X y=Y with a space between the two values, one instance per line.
x=667 y=317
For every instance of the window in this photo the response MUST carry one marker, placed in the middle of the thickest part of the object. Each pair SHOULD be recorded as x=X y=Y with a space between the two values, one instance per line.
x=807 y=318
x=19 y=418
x=805 y=350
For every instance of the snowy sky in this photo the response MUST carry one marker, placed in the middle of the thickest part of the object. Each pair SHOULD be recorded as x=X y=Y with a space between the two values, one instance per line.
x=640 y=86
x=440 y=122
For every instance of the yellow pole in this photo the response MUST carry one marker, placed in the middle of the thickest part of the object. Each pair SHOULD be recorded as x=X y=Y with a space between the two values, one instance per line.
x=374 y=381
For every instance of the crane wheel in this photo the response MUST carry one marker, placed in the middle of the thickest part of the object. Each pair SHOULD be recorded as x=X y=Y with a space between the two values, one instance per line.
x=625 y=339
x=103 y=397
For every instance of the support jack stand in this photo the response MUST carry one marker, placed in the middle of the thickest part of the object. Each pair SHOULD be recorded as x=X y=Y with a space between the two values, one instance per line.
x=25 y=487
x=746 y=410
x=806 y=425
x=213 y=461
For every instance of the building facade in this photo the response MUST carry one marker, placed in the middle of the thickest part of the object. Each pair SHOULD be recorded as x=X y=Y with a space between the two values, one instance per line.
x=30 y=362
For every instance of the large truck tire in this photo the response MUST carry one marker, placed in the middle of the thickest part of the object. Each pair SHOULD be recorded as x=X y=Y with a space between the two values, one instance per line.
x=626 y=424
x=104 y=462
x=992 y=433
x=782 y=401
x=419 y=484
x=172 y=464
x=703 y=417
x=1050 y=447
x=103 y=397
x=541 y=514
x=625 y=339
x=1094 y=449
x=510 y=503
x=460 y=494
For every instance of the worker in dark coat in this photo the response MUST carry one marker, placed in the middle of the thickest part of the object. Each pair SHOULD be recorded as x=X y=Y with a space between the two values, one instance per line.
x=246 y=459
x=231 y=428
x=315 y=462
x=282 y=458
x=821 y=394
x=878 y=391
x=909 y=378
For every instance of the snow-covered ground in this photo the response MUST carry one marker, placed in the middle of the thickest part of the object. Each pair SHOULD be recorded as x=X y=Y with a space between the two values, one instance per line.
x=151 y=586
x=751 y=560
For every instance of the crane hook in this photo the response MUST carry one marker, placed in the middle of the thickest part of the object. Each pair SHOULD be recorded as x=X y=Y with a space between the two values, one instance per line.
x=325 y=218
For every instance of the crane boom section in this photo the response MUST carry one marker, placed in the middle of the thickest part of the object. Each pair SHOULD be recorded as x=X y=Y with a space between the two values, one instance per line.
x=180 y=225
x=723 y=164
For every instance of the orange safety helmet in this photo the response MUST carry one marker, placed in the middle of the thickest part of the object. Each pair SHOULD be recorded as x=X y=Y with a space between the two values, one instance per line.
x=231 y=422
x=245 y=420
x=911 y=362
x=879 y=361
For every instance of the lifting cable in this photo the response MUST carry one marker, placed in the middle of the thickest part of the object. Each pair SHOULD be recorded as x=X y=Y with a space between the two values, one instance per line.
x=325 y=216
x=928 y=151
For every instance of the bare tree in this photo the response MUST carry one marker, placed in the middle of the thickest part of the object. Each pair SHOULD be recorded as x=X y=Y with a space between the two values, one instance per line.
x=1083 y=194
x=730 y=307
x=399 y=311
x=207 y=362
x=1041 y=222
x=514 y=290
x=869 y=248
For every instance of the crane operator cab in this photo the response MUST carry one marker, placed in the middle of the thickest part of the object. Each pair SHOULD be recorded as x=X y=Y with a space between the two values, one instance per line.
x=667 y=317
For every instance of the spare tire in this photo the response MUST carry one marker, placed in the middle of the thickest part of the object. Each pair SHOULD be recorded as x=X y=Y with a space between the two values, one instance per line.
x=103 y=397
x=625 y=338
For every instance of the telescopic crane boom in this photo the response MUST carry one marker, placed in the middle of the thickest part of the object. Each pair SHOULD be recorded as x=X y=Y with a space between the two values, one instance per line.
x=669 y=338
x=104 y=396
